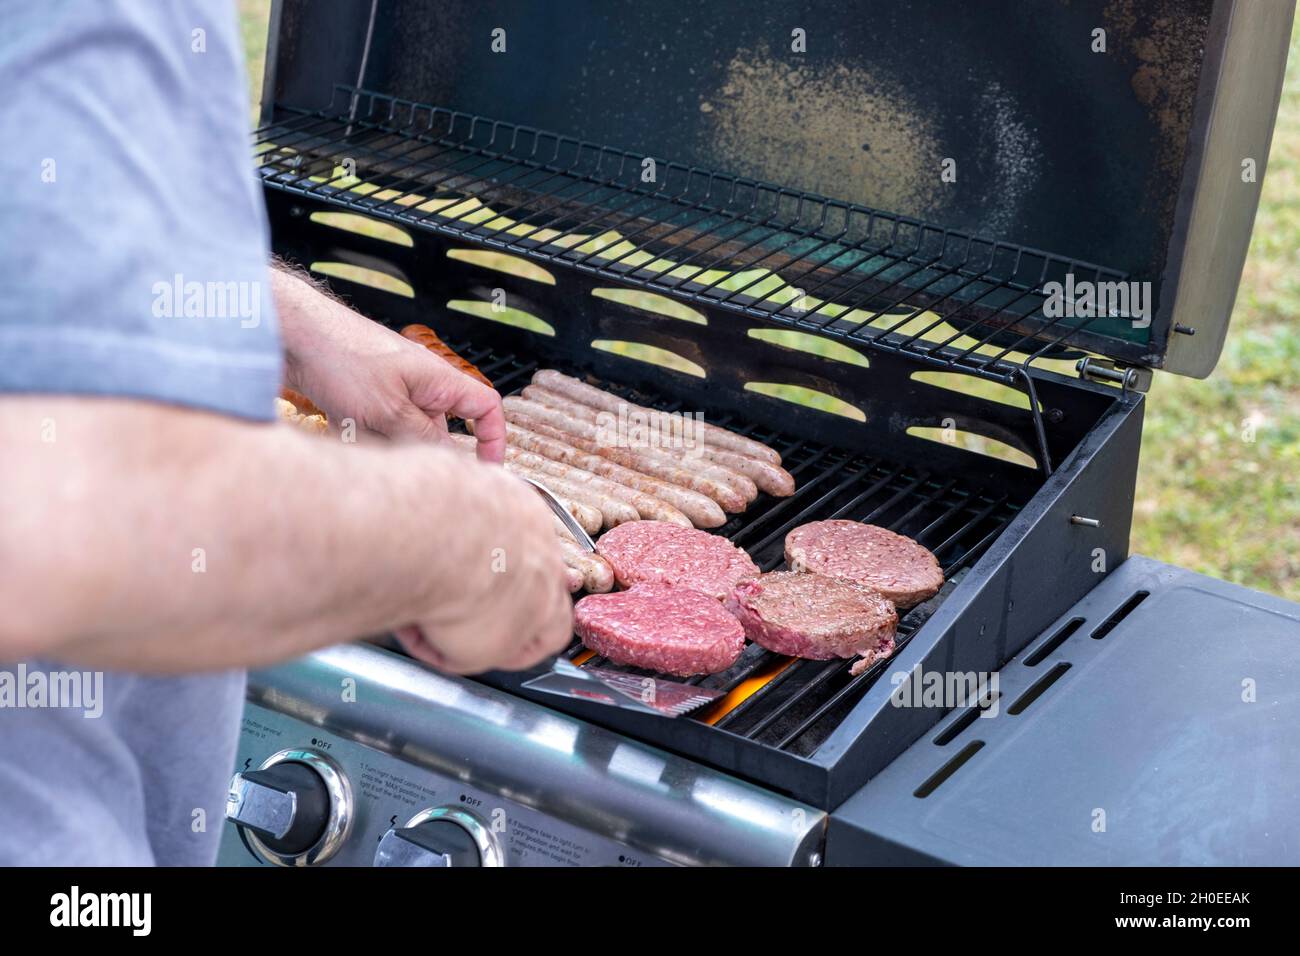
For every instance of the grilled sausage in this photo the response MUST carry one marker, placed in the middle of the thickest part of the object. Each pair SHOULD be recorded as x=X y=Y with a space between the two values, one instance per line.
x=701 y=510
x=573 y=579
x=570 y=387
x=301 y=402
x=647 y=506
x=591 y=518
x=597 y=575
x=770 y=478
x=547 y=421
x=425 y=336
x=576 y=417
x=608 y=511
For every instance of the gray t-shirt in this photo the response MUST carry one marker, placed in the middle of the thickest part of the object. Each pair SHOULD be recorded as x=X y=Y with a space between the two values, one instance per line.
x=133 y=254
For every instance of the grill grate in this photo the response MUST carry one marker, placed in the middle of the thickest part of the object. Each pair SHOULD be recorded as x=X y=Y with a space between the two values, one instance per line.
x=788 y=257
x=794 y=705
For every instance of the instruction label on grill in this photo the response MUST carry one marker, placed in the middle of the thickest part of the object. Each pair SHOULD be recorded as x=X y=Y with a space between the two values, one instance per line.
x=379 y=784
x=537 y=847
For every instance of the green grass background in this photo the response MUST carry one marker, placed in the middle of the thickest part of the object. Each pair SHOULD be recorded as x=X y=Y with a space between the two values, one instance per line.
x=1219 y=486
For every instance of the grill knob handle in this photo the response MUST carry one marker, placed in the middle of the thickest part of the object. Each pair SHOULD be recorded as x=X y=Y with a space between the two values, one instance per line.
x=294 y=810
x=441 y=836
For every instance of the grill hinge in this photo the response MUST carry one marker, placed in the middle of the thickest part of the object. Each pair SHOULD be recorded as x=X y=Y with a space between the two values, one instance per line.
x=1128 y=377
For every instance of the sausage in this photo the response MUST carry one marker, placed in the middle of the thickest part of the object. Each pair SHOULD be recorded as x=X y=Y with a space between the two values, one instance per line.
x=550 y=424
x=770 y=478
x=547 y=421
x=773 y=479
x=574 y=416
x=597 y=575
x=647 y=506
x=608 y=511
x=572 y=579
x=287 y=412
x=570 y=387
x=591 y=518
x=301 y=402
x=425 y=336
x=701 y=510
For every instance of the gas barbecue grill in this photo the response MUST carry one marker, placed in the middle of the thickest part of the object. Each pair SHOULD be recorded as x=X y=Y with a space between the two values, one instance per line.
x=788 y=305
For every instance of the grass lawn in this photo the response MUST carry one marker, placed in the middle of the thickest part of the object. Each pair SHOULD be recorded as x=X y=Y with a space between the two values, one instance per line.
x=1219 y=489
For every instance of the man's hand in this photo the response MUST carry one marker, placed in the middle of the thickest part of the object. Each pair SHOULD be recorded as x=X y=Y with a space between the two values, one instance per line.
x=509 y=607
x=357 y=369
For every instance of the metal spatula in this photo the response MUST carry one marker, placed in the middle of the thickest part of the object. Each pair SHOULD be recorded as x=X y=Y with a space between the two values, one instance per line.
x=600 y=685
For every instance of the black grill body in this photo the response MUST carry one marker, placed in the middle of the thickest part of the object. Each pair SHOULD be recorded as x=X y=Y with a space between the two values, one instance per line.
x=1003 y=532
x=411 y=99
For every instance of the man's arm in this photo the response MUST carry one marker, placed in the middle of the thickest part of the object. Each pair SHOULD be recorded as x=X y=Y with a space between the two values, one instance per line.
x=161 y=539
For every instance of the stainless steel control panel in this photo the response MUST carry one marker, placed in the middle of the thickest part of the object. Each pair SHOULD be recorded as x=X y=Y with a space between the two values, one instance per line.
x=357 y=756
x=387 y=794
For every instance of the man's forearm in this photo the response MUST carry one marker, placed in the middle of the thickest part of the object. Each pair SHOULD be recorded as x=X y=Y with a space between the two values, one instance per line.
x=307 y=311
x=163 y=539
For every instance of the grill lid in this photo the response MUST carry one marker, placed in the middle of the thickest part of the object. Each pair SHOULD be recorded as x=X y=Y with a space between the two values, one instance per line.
x=956 y=143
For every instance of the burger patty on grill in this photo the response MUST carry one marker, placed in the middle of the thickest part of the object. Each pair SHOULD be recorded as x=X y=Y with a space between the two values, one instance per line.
x=894 y=565
x=814 y=616
x=662 y=628
x=659 y=552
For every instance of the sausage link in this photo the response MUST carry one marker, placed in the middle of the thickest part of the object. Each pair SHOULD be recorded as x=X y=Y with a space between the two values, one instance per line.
x=608 y=511
x=701 y=510
x=591 y=518
x=548 y=421
x=597 y=575
x=425 y=336
x=579 y=415
x=770 y=478
x=573 y=579
x=598 y=398
x=647 y=506
x=301 y=402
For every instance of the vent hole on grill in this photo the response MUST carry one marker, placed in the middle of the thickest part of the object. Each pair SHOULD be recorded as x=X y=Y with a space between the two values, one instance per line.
x=506 y=316
x=650 y=302
x=976 y=387
x=500 y=262
x=652 y=354
x=364 y=275
x=974 y=443
x=1053 y=642
x=972 y=713
x=948 y=769
x=810 y=397
x=813 y=344
x=1038 y=688
x=1124 y=611
x=364 y=226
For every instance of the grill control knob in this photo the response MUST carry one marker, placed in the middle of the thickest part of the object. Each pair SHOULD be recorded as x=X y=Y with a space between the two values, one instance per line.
x=441 y=836
x=294 y=810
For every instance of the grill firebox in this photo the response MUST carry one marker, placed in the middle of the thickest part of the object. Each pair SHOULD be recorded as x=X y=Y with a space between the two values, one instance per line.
x=897 y=293
x=791 y=705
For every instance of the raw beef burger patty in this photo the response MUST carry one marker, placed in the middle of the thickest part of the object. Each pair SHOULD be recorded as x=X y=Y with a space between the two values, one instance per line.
x=813 y=616
x=661 y=628
x=664 y=553
x=894 y=565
